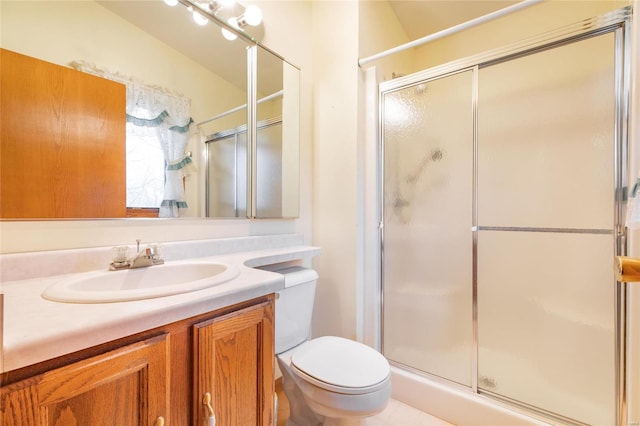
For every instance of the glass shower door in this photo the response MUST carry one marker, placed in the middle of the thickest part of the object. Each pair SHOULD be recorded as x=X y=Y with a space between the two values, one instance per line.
x=226 y=176
x=546 y=155
x=427 y=257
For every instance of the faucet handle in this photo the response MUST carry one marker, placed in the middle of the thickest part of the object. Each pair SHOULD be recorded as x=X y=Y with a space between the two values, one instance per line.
x=119 y=258
x=119 y=254
x=154 y=251
x=154 y=248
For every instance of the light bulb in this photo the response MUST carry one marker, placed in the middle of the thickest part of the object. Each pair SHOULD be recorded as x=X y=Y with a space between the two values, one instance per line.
x=228 y=34
x=171 y=2
x=253 y=15
x=233 y=21
x=199 y=19
x=227 y=3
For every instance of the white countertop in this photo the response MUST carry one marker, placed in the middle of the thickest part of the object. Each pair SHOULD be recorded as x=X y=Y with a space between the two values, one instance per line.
x=36 y=329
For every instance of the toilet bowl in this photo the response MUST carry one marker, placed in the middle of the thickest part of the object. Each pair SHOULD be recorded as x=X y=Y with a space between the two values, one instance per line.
x=340 y=381
x=328 y=380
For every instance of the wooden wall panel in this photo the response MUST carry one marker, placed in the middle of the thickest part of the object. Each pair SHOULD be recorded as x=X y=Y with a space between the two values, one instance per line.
x=62 y=142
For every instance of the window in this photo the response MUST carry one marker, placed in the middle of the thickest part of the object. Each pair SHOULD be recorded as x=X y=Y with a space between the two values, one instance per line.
x=145 y=167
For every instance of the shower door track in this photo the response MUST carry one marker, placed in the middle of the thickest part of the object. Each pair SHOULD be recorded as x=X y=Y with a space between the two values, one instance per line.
x=617 y=22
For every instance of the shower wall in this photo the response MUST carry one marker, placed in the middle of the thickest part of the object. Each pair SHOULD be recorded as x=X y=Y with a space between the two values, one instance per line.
x=499 y=227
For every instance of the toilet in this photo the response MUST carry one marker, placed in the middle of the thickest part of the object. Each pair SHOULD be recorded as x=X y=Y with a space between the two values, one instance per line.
x=328 y=380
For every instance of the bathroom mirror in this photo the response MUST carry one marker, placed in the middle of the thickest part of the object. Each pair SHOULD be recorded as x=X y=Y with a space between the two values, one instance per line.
x=270 y=163
x=152 y=44
x=277 y=134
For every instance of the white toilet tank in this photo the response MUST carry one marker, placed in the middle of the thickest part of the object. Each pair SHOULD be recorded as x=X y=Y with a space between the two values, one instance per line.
x=294 y=307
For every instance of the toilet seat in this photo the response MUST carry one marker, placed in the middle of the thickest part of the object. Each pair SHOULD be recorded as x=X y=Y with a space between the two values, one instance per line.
x=341 y=365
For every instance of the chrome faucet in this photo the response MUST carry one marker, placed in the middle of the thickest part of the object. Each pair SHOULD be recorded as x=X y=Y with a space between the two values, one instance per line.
x=148 y=256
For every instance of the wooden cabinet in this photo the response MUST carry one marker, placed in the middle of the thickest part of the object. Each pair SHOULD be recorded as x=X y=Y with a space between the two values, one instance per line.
x=126 y=386
x=158 y=377
x=233 y=367
x=62 y=141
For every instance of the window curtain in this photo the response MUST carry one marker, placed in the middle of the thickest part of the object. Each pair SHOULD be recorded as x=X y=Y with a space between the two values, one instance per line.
x=170 y=115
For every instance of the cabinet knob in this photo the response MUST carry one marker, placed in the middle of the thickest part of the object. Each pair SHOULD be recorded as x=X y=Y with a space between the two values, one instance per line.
x=210 y=419
x=159 y=421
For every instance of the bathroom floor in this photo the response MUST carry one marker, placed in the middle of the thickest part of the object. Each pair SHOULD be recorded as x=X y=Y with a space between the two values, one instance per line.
x=396 y=414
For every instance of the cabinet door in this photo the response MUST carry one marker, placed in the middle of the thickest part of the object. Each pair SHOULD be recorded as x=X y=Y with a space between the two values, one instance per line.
x=63 y=141
x=233 y=363
x=128 y=386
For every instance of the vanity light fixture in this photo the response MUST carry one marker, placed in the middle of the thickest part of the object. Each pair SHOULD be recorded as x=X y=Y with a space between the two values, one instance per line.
x=217 y=5
x=250 y=15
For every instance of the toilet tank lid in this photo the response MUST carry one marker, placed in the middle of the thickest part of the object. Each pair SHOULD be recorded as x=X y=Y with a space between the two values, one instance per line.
x=295 y=275
x=341 y=362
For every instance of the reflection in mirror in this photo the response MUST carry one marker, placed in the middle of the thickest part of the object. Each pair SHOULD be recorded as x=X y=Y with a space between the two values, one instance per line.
x=226 y=173
x=146 y=42
x=276 y=153
x=277 y=137
x=158 y=130
x=62 y=141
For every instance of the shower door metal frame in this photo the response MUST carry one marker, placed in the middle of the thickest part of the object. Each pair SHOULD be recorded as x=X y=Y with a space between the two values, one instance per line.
x=617 y=22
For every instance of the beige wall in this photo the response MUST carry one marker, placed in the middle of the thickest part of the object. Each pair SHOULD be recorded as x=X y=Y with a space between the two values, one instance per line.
x=22 y=236
x=335 y=162
x=339 y=31
x=380 y=30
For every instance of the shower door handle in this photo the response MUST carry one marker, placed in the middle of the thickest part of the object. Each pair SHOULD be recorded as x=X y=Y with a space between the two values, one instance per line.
x=627 y=269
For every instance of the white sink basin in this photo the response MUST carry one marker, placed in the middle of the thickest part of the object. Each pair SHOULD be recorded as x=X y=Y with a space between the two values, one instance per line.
x=139 y=283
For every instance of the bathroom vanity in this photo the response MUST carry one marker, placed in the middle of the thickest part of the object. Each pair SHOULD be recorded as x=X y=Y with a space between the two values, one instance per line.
x=170 y=360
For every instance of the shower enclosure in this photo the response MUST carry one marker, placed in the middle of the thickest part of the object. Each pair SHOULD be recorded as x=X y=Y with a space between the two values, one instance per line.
x=502 y=213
